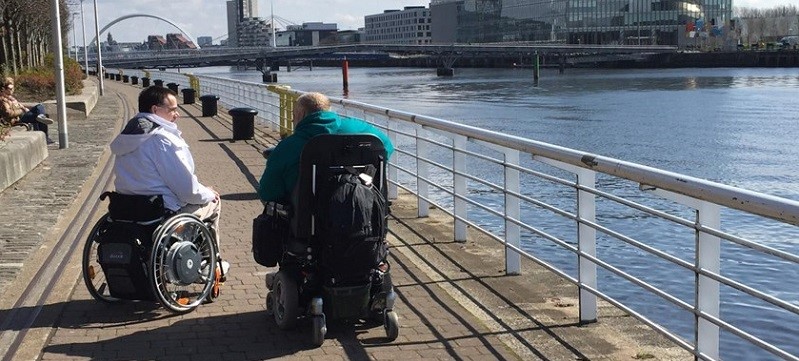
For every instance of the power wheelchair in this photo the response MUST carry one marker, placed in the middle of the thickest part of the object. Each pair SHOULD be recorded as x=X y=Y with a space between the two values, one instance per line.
x=357 y=284
x=140 y=251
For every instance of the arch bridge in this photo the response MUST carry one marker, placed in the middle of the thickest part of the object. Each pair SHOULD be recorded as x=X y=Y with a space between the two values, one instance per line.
x=125 y=17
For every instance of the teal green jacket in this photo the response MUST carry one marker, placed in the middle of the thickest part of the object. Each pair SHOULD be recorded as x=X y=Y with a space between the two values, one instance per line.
x=282 y=167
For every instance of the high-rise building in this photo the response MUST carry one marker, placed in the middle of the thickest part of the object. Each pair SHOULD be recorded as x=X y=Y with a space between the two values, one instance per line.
x=644 y=22
x=254 y=32
x=249 y=8
x=410 y=25
x=242 y=20
x=232 y=23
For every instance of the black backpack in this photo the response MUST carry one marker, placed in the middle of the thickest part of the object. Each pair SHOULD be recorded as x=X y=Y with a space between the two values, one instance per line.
x=351 y=217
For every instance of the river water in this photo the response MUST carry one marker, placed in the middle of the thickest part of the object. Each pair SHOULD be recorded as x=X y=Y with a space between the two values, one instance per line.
x=735 y=126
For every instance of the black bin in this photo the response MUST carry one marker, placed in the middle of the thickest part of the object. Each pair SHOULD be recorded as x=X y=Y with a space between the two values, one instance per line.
x=134 y=80
x=145 y=82
x=118 y=77
x=173 y=87
x=126 y=78
x=158 y=82
x=269 y=78
x=188 y=95
x=209 y=104
x=243 y=123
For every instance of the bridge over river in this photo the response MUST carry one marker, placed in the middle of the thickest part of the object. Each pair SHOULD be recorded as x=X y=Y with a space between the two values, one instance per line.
x=443 y=55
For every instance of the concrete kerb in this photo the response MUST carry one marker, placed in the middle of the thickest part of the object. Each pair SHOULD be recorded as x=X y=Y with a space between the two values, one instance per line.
x=78 y=106
x=19 y=154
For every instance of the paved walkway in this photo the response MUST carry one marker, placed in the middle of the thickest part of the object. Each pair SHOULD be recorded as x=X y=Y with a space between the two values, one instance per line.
x=454 y=302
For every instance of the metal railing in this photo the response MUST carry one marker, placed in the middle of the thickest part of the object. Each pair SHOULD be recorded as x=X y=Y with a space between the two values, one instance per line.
x=571 y=212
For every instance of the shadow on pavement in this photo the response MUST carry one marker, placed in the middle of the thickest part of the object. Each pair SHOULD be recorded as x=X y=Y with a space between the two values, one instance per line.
x=142 y=330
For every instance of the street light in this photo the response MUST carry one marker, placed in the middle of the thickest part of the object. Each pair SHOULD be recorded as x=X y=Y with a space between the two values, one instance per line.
x=99 y=55
x=74 y=36
x=85 y=47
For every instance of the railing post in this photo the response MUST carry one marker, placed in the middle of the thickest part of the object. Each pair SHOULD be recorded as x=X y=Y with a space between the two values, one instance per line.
x=422 y=171
x=459 y=186
x=285 y=115
x=708 y=249
x=393 y=190
x=586 y=236
x=513 y=265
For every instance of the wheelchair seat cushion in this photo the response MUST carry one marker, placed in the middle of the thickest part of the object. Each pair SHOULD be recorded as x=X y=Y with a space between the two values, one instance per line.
x=135 y=208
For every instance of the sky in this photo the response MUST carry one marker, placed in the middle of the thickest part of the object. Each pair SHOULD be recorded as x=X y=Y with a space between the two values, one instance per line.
x=208 y=17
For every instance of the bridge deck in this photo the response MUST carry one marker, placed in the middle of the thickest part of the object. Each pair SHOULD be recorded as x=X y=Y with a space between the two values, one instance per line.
x=454 y=300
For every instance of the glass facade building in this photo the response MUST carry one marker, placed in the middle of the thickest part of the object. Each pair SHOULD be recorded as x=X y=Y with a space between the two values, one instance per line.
x=623 y=22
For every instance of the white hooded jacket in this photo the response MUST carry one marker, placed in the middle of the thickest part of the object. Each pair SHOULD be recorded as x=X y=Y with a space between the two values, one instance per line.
x=152 y=158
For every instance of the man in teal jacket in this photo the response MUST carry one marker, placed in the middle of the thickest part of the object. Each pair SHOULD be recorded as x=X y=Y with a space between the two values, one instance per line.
x=312 y=116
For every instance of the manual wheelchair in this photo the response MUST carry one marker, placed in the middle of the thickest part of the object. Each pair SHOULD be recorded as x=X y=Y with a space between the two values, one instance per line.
x=322 y=277
x=139 y=251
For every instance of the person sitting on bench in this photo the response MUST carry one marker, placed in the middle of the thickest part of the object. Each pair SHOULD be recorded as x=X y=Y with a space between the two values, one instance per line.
x=13 y=112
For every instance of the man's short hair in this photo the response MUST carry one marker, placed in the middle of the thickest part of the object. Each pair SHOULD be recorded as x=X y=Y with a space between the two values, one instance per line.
x=154 y=95
x=313 y=102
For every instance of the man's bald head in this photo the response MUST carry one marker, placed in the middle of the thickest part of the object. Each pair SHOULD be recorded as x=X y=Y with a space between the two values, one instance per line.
x=309 y=103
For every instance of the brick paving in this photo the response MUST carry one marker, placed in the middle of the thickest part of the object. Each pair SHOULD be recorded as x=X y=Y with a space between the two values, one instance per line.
x=434 y=280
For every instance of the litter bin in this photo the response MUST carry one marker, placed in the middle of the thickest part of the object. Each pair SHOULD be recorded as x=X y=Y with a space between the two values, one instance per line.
x=209 y=104
x=188 y=95
x=173 y=87
x=106 y=75
x=118 y=77
x=134 y=80
x=158 y=82
x=145 y=82
x=126 y=78
x=269 y=77
x=243 y=123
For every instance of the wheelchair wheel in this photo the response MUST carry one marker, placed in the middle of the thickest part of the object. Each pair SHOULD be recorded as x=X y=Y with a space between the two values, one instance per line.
x=285 y=301
x=93 y=275
x=183 y=263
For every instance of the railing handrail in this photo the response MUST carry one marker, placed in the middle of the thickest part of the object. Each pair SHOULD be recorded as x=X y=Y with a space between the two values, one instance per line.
x=762 y=204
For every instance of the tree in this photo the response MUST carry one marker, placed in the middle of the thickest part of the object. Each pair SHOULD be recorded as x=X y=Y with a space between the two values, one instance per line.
x=26 y=33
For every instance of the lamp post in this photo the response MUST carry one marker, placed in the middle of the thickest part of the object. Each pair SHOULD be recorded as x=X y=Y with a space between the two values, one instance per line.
x=55 y=18
x=99 y=55
x=85 y=47
x=74 y=36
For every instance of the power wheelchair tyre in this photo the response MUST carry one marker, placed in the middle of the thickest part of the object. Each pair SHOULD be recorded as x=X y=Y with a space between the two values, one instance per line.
x=181 y=265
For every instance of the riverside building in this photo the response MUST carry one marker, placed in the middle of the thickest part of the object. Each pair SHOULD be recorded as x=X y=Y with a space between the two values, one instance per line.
x=411 y=25
x=612 y=22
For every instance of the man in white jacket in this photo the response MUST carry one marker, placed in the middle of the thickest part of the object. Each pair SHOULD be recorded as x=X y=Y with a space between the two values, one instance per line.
x=152 y=158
